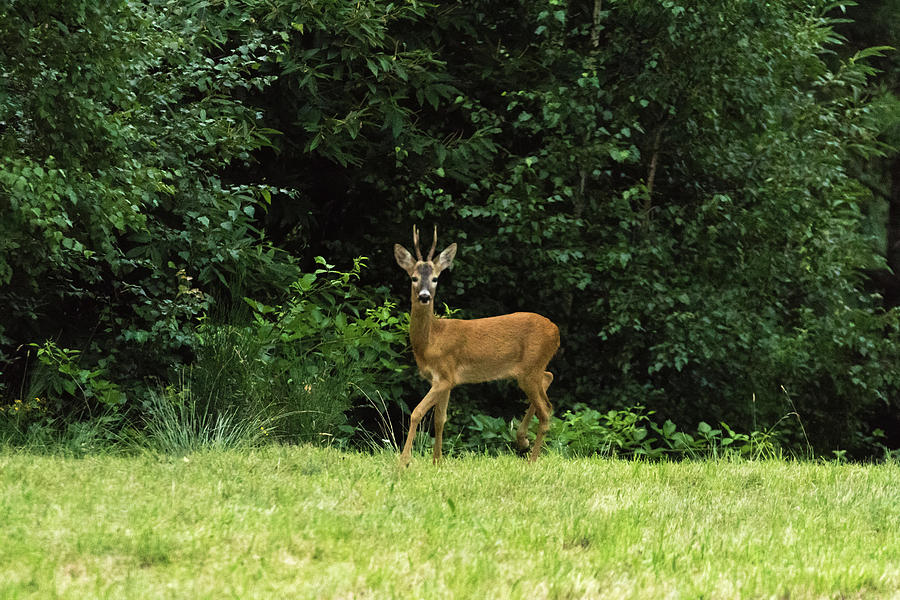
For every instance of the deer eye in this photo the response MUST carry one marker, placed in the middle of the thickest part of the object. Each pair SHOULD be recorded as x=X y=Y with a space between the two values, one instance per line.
x=415 y=280
x=434 y=280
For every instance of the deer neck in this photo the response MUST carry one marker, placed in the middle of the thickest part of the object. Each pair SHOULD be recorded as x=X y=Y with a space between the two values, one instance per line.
x=421 y=321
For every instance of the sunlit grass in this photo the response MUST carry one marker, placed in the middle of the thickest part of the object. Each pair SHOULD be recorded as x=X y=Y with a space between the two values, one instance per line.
x=303 y=522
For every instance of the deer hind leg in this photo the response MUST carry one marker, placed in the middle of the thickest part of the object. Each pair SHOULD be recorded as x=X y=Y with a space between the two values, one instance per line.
x=544 y=410
x=431 y=398
x=536 y=389
x=522 y=434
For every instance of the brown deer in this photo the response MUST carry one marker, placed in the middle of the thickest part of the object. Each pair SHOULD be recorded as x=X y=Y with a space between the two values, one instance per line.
x=452 y=351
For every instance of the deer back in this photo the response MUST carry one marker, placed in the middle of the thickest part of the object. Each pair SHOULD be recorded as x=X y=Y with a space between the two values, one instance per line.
x=502 y=347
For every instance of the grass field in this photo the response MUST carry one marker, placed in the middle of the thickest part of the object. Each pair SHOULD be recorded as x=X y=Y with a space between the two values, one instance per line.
x=302 y=522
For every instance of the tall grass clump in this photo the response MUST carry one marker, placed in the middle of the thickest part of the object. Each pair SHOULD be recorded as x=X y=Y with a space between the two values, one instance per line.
x=180 y=422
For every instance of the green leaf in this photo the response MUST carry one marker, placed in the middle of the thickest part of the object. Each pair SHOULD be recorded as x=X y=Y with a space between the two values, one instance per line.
x=668 y=428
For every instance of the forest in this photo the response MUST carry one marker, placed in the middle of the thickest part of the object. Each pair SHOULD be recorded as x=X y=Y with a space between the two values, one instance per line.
x=199 y=201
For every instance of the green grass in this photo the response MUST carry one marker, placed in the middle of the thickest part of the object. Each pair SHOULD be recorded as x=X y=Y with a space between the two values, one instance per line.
x=302 y=522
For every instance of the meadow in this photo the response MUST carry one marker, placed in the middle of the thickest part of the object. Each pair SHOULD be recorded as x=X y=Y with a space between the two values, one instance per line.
x=308 y=522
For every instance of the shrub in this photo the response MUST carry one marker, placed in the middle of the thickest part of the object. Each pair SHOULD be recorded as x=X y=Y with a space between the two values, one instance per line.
x=584 y=431
x=301 y=366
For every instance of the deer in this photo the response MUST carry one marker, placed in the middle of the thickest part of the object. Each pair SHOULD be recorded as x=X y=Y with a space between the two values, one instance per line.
x=449 y=352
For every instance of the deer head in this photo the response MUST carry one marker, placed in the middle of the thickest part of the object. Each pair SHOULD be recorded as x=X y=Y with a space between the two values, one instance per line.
x=424 y=273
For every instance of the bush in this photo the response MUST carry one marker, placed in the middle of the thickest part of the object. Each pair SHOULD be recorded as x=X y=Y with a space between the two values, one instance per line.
x=27 y=424
x=584 y=431
x=116 y=228
x=482 y=433
x=299 y=367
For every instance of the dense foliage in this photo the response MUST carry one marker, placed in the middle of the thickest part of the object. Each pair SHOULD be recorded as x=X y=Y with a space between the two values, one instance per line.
x=692 y=193
x=116 y=223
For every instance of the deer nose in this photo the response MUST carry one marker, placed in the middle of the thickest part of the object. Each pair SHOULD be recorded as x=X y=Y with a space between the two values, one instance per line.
x=424 y=296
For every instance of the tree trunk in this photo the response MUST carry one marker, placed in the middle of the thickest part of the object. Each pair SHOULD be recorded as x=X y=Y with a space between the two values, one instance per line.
x=889 y=281
x=893 y=233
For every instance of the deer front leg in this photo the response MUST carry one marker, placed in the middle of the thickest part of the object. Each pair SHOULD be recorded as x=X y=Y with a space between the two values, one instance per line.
x=430 y=399
x=440 y=417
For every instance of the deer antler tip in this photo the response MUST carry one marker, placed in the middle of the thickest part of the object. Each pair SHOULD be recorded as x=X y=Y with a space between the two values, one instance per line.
x=433 y=244
x=416 y=242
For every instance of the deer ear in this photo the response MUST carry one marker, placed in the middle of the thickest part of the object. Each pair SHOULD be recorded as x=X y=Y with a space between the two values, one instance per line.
x=446 y=258
x=404 y=258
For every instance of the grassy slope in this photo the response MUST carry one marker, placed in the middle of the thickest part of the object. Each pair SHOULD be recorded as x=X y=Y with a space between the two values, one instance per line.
x=314 y=523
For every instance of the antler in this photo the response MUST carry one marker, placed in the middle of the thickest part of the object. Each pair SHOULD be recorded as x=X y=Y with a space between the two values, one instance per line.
x=433 y=244
x=416 y=242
